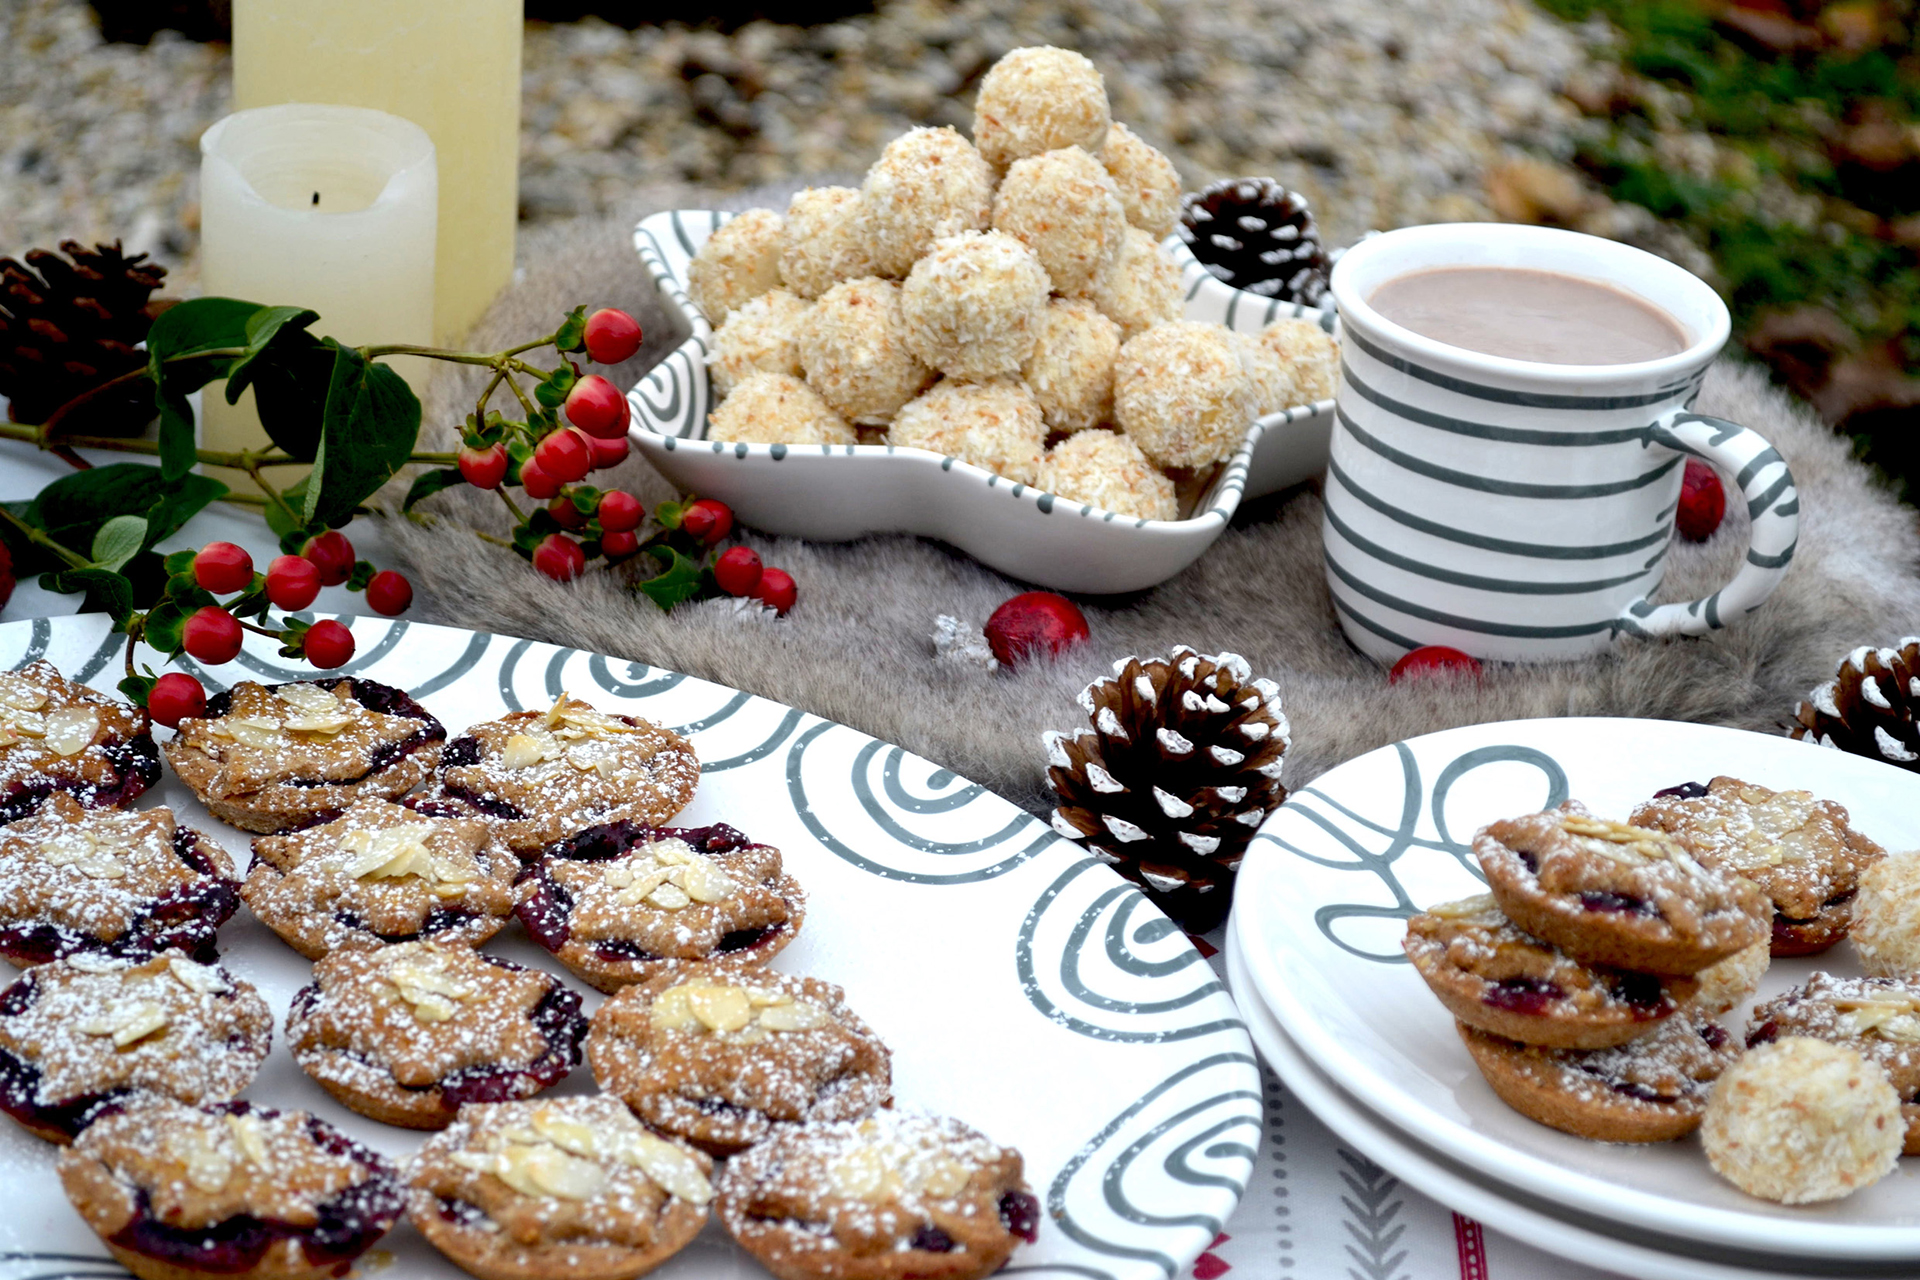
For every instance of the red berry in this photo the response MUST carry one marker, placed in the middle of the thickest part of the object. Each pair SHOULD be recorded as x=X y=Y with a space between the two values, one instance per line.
x=389 y=593
x=538 y=484
x=707 y=521
x=565 y=455
x=612 y=336
x=176 y=696
x=1034 y=622
x=223 y=568
x=560 y=558
x=776 y=590
x=620 y=511
x=608 y=453
x=737 y=571
x=292 y=582
x=619 y=544
x=597 y=408
x=1703 y=503
x=1434 y=659
x=329 y=644
x=484 y=468
x=332 y=555
x=212 y=635
x=7 y=580
x=565 y=514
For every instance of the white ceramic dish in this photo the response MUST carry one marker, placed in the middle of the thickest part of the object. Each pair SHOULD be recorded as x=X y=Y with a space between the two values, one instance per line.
x=834 y=494
x=1022 y=986
x=1332 y=875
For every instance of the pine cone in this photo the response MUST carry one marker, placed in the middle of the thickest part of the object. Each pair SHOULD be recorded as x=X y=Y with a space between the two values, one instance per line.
x=1868 y=708
x=66 y=327
x=1256 y=235
x=1181 y=765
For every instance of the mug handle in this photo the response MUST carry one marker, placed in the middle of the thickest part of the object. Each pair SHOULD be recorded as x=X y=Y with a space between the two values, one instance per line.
x=1773 y=504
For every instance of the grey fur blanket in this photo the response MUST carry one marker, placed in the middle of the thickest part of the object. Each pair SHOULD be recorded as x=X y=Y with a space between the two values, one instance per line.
x=858 y=649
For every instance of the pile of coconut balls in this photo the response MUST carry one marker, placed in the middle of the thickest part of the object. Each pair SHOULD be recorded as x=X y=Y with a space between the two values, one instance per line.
x=981 y=299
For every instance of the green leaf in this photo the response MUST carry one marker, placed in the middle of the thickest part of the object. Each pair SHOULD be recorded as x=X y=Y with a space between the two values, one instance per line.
x=363 y=571
x=428 y=483
x=552 y=390
x=136 y=689
x=585 y=498
x=189 y=495
x=288 y=369
x=73 y=508
x=367 y=433
x=180 y=562
x=679 y=581
x=573 y=331
x=118 y=541
x=192 y=328
x=107 y=592
x=264 y=328
x=164 y=623
x=668 y=514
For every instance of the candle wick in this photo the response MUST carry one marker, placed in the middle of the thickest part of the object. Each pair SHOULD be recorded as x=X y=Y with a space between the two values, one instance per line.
x=316 y=197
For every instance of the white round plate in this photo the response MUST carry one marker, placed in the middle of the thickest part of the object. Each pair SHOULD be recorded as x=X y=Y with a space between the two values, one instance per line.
x=1333 y=874
x=1021 y=986
x=832 y=494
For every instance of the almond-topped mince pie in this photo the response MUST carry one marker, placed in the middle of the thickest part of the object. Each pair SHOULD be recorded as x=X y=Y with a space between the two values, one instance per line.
x=57 y=736
x=617 y=904
x=1491 y=975
x=719 y=1056
x=270 y=757
x=1878 y=1018
x=79 y=1034
x=119 y=881
x=1798 y=849
x=893 y=1196
x=561 y=1187
x=1616 y=894
x=228 y=1189
x=407 y=1034
x=381 y=873
x=546 y=775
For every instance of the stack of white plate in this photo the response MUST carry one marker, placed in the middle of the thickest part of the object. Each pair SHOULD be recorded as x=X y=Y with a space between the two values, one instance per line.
x=1314 y=959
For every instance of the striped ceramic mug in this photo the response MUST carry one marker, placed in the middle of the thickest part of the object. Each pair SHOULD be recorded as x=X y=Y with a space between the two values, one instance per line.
x=1517 y=510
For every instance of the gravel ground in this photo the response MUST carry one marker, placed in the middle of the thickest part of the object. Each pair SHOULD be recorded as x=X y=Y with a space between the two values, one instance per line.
x=1384 y=112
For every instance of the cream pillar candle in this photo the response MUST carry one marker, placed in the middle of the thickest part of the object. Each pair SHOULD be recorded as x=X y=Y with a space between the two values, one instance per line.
x=450 y=66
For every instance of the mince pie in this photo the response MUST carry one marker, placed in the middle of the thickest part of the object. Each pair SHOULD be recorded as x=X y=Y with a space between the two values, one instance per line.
x=1800 y=850
x=1617 y=895
x=718 y=1056
x=119 y=881
x=1878 y=1018
x=407 y=1034
x=546 y=775
x=81 y=1033
x=1491 y=975
x=271 y=757
x=230 y=1190
x=58 y=736
x=381 y=873
x=893 y=1196
x=562 y=1187
x=619 y=903
x=1653 y=1089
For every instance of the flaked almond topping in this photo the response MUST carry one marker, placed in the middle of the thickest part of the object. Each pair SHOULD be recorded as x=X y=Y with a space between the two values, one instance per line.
x=72 y=730
x=316 y=710
x=593 y=758
x=194 y=976
x=426 y=985
x=86 y=962
x=538 y=1170
x=128 y=1022
x=1770 y=829
x=250 y=1136
x=573 y=719
x=17 y=694
x=671 y=1169
x=882 y=1170
x=562 y=1157
x=85 y=853
x=1465 y=908
x=1888 y=1016
x=208 y=1164
x=393 y=853
x=693 y=1006
x=524 y=750
x=721 y=1008
x=1622 y=842
x=260 y=732
x=795 y=1015
x=670 y=875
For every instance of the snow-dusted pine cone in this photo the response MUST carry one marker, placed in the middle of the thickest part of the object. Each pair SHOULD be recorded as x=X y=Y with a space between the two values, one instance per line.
x=68 y=326
x=1868 y=708
x=1256 y=235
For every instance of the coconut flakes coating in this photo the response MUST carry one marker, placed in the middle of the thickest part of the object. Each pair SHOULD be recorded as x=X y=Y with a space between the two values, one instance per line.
x=1071 y=369
x=1886 y=917
x=1065 y=207
x=1149 y=184
x=974 y=306
x=1731 y=982
x=993 y=425
x=1273 y=388
x=761 y=337
x=1040 y=99
x=823 y=245
x=1308 y=353
x=1140 y=287
x=739 y=262
x=777 y=408
x=928 y=183
x=1800 y=1120
x=855 y=351
x=1184 y=393
x=1106 y=470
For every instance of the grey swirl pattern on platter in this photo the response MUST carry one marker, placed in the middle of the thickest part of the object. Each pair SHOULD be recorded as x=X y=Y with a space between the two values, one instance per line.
x=40 y=1265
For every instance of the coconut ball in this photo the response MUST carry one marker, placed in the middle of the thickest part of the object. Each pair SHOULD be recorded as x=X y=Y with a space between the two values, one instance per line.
x=1071 y=369
x=1801 y=1120
x=854 y=350
x=993 y=425
x=1040 y=99
x=1729 y=983
x=1184 y=393
x=739 y=262
x=1149 y=184
x=974 y=305
x=823 y=245
x=1140 y=288
x=1064 y=206
x=777 y=408
x=928 y=183
x=1886 y=917
x=761 y=337
x=1106 y=470
x=1272 y=384
x=1310 y=355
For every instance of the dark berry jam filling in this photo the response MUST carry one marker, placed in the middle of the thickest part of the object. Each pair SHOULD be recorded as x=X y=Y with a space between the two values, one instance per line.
x=20 y=1082
x=1685 y=791
x=1623 y=903
x=1715 y=1035
x=462 y=751
x=187 y=919
x=621 y=949
x=1640 y=1092
x=374 y=696
x=1642 y=991
x=464 y=1213
x=1766 y=1033
x=135 y=763
x=545 y=911
x=560 y=1023
x=458 y=802
x=612 y=839
x=1527 y=860
x=1021 y=1214
x=931 y=1239
x=746 y=939
x=438 y=920
x=1523 y=994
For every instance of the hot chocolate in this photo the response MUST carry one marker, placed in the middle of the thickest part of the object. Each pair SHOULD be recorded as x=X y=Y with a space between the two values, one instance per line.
x=1543 y=316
